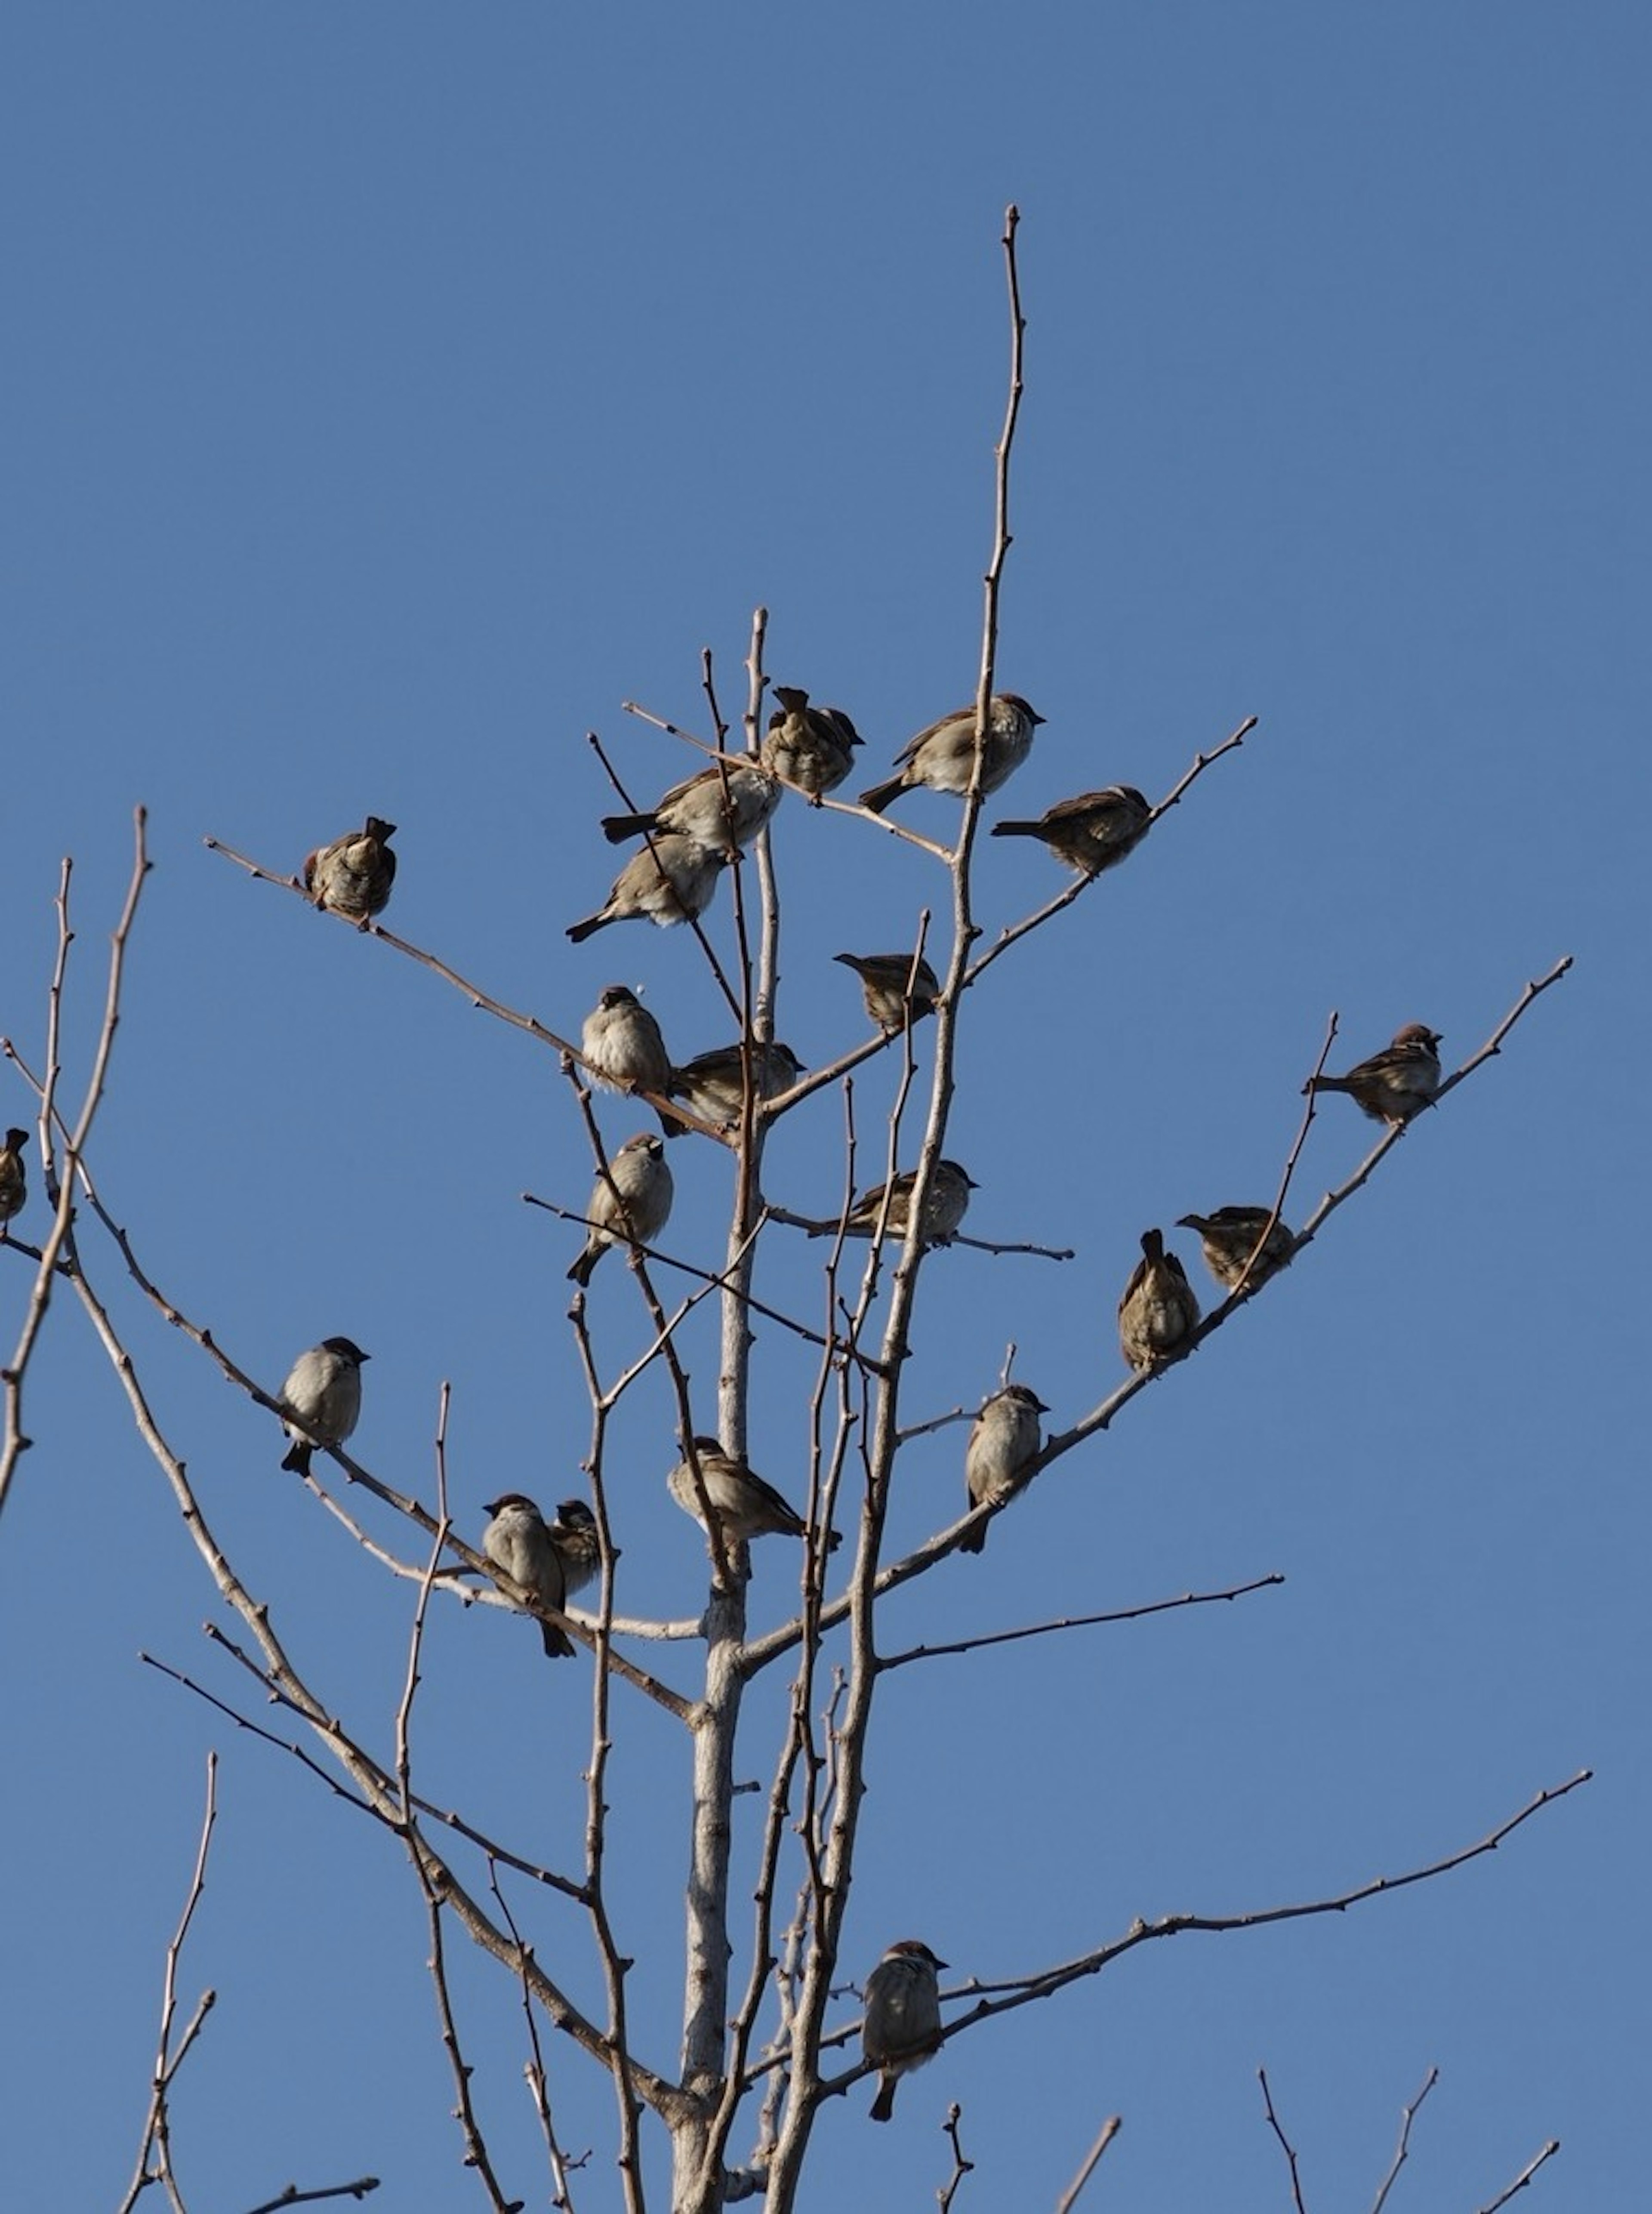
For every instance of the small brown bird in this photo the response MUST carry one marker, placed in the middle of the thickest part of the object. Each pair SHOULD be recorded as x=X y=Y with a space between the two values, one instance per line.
x=622 y=1048
x=1158 y=1312
x=668 y=881
x=14 y=1178
x=1230 y=1236
x=945 y=1207
x=517 y=1541
x=893 y=986
x=943 y=755
x=713 y=1085
x=902 y=2028
x=632 y=1202
x=352 y=877
x=1006 y=1437
x=573 y=1534
x=813 y=748
x=1091 y=832
x=706 y=810
x=1395 y=1084
x=323 y=1393
x=745 y=1506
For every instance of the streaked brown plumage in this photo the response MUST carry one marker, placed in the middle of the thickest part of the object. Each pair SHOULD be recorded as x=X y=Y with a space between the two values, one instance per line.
x=352 y=877
x=14 y=1177
x=712 y=1084
x=1158 y=1312
x=902 y=2028
x=1006 y=1437
x=631 y=1202
x=706 y=809
x=891 y=985
x=1228 y=1238
x=942 y=756
x=746 y=1507
x=1091 y=832
x=813 y=748
x=517 y=1541
x=668 y=881
x=945 y=1203
x=1395 y=1084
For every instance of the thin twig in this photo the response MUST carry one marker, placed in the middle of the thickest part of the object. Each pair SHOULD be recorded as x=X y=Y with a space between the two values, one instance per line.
x=1075 y=1622
x=1406 y=2118
x=1524 y=2177
x=1290 y=2149
x=961 y=2166
x=1069 y=2197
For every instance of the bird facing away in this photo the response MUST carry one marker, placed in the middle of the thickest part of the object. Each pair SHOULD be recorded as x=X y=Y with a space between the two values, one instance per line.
x=1229 y=1237
x=635 y=1205
x=902 y=2028
x=671 y=880
x=1006 y=1437
x=713 y=1085
x=1091 y=832
x=1158 y=1312
x=352 y=877
x=813 y=748
x=1395 y=1084
x=573 y=1533
x=323 y=1394
x=622 y=1047
x=945 y=1204
x=517 y=1541
x=943 y=755
x=706 y=810
x=893 y=986
x=745 y=1506
x=14 y=1178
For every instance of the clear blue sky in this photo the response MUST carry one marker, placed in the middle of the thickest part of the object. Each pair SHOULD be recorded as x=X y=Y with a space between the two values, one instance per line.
x=395 y=390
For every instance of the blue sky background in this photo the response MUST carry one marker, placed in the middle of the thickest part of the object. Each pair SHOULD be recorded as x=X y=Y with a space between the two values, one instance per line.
x=393 y=391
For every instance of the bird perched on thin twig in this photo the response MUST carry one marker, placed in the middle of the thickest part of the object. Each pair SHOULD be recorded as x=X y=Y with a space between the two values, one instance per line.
x=14 y=1177
x=713 y=1085
x=1158 y=1312
x=1395 y=1084
x=670 y=880
x=1230 y=1237
x=813 y=748
x=517 y=1541
x=631 y=1203
x=745 y=1506
x=622 y=1047
x=895 y=986
x=902 y=2028
x=706 y=808
x=573 y=1534
x=322 y=1394
x=1091 y=832
x=352 y=877
x=1006 y=1437
x=943 y=755
x=945 y=1204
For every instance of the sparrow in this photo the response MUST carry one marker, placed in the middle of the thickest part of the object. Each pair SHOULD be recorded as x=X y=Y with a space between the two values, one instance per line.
x=1091 y=832
x=893 y=986
x=713 y=1085
x=1229 y=1237
x=1158 y=1309
x=813 y=748
x=744 y=1504
x=517 y=1541
x=573 y=1534
x=902 y=2028
x=354 y=874
x=703 y=809
x=14 y=1181
x=670 y=881
x=1006 y=1437
x=621 y=1047
x=323 y=1393
x=945 y=1207
x=636 y=1205
x=1395 y=1084
x=943 y=755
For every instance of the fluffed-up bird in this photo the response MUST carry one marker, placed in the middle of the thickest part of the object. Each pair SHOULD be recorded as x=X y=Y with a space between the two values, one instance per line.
x=943 y=755
x=1091 y=832
x=1395 y=1084
x=945 y=1204
x=902 y=2028
x=623 y=1049
x=323 y=1393
x=352 y=877
x=573 y=1534
x=894 y=985
x=707 y=809
x=14 y=1177
x=517 y=1541
x=713 y=1085
x=746 y=1507
x=633 y=1201
x=1006 y=1437
x=1229 y=1237
x=670 y=881
x=1159 y=1312
x=813 y=748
